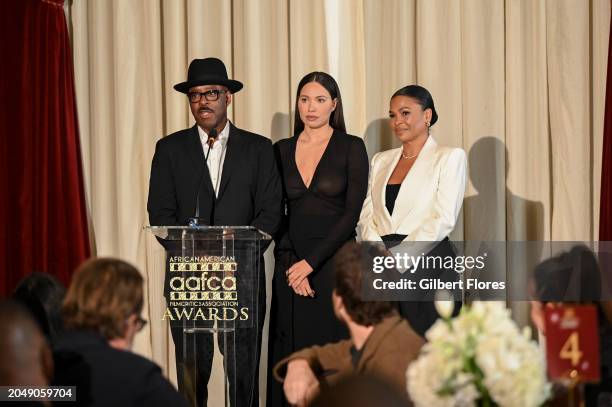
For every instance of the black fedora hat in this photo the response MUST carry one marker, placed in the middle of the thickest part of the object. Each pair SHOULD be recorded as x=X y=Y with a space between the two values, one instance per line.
x=207 y=71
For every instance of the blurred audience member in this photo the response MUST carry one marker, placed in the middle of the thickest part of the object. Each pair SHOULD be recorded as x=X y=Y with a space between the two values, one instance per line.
x=575 y=277
x=25 y=357
x=382 y=344
x=43 y=294
x=102 y=315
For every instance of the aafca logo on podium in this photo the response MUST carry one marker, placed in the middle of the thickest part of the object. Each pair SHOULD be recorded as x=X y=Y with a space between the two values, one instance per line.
x=203 y=289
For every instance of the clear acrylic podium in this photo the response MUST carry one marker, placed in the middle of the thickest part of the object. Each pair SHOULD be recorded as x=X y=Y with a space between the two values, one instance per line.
x=212 y=288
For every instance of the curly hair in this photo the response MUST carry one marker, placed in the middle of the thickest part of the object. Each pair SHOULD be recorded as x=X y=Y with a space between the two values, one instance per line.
x=103 y=294
x=351 y=262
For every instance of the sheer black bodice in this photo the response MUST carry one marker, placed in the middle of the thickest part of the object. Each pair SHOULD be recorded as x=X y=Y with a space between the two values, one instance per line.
x=327 y=210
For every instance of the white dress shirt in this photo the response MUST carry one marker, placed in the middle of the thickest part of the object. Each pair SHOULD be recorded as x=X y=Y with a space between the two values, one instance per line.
x=217 y=154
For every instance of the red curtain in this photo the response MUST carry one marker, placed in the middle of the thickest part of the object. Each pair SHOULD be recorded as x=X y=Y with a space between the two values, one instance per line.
x=42 y=208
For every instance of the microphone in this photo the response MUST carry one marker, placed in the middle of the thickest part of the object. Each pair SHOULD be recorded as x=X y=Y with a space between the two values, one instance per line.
x=212 y=137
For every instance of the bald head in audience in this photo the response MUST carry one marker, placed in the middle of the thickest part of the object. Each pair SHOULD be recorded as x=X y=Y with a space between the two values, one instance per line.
x=25 y=357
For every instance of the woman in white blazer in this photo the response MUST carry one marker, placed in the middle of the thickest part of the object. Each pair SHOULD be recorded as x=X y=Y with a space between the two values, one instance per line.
x=426 y=179
x=415 y=192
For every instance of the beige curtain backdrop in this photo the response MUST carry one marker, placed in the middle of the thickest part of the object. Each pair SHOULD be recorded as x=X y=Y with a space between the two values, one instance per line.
x=519 y=84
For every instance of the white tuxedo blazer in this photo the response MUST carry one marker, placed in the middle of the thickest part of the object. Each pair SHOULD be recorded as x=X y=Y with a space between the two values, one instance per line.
x=429 y=199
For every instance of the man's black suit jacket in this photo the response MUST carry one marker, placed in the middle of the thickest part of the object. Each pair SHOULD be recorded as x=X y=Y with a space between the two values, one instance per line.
x=250 y=192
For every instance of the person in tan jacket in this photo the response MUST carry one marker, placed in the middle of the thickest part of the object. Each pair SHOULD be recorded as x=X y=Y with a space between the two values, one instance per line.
x=382 y=343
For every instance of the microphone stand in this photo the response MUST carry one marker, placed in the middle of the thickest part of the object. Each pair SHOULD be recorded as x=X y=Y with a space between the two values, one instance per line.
x=212 y=137
x=210 y=142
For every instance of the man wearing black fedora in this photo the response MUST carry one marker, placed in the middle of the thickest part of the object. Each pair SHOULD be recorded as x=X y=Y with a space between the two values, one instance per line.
x=216 y=174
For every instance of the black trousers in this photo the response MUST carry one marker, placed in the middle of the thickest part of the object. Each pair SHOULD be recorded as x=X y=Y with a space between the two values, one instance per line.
x=421 y=313
x=194 y=358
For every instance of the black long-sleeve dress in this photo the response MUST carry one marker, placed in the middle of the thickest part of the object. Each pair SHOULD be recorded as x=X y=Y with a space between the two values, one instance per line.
x=319 y=220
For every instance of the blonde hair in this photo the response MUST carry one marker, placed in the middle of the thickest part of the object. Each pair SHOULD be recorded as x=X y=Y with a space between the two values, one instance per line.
x=104 y=292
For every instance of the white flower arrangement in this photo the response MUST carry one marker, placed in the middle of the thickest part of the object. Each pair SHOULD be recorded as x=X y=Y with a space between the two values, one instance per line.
x=479 y=358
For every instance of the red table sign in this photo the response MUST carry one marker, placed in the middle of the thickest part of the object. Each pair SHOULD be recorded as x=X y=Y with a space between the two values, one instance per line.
x=572 y=342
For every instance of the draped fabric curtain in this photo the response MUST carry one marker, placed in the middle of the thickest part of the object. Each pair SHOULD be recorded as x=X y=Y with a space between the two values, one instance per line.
x=519 y=84
x=42 y=210
x=605 y=222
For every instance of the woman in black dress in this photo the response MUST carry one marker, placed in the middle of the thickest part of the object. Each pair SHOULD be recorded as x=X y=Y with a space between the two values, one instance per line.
x=325 y=180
